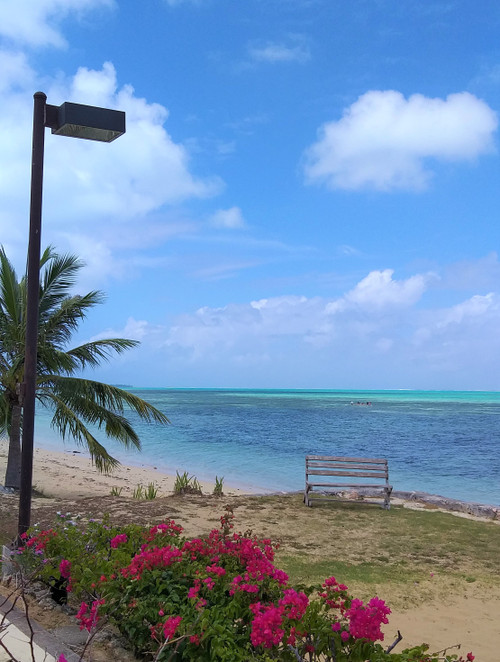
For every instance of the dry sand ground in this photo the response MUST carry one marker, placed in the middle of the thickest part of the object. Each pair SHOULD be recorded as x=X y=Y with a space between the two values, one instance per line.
x=433 y=610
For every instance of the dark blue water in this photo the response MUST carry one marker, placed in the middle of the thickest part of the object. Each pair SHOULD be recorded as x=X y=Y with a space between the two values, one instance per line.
x=439 y=442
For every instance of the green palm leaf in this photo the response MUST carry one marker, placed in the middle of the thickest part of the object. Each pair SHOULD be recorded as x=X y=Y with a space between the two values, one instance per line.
x=79 y=405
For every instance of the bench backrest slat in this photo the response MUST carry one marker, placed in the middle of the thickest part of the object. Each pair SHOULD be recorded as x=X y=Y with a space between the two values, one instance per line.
x=345 y=465
x=330 y=458
x=359 y=474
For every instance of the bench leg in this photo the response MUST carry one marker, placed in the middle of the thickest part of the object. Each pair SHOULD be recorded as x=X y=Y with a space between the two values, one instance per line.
x=306 y=498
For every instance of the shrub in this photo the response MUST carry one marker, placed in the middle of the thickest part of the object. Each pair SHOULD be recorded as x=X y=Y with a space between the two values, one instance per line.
x=219 y=597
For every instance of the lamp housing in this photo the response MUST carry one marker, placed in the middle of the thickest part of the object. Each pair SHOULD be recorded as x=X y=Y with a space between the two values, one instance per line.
x=77 y=120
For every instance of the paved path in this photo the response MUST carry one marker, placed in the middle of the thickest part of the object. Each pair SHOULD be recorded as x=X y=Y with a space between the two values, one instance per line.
x=15 y=636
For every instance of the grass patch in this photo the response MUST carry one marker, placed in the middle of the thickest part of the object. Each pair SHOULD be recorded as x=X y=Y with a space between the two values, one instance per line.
x=312 y=572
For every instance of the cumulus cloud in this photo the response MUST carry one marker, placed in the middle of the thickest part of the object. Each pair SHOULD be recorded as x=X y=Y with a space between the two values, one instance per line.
x=362 y=312
x=133 y=330
x=379 y=290
x=87 y=182
x=276 y=52
x=386 y=331
x=472 y=309
x=36 y=22
x=229 y=219
x=385 y=142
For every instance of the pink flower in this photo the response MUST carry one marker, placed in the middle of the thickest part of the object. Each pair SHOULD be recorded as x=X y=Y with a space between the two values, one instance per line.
x=365 y=621
x=65 y=568
x=470 y=657
x=171 y=625
x=90 y=620
x=267 y=625
x=61 y=658
x=118 y=540
x=294 y=604
x=344 y=635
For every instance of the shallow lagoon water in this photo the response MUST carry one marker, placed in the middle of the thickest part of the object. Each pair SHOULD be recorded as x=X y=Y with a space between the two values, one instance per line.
x=442 y=442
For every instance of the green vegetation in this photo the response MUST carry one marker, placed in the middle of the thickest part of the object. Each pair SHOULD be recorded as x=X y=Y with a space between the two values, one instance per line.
x=76 y=403
x=219 y=487
x=186 y=484
x=148 y=493
x=217 y=597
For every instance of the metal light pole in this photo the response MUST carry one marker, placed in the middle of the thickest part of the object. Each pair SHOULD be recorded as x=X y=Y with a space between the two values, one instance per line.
x=78 y=121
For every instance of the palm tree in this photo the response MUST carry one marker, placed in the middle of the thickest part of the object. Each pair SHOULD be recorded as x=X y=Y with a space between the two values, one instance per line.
x=77 y=403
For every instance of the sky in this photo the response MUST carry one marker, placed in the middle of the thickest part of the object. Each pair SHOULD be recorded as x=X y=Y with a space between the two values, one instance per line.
x=306 y=196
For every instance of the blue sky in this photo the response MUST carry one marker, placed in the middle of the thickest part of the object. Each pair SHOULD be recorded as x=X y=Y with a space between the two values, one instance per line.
x=307 y=195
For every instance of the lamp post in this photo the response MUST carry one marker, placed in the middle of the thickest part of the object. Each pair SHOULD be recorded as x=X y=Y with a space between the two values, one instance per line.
x=77 y=121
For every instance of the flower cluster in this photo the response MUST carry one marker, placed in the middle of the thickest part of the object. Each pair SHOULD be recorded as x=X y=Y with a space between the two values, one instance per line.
x=365 y=621
x=268 y=627
x=214 y=597
x=118 y=540
x=88 y=617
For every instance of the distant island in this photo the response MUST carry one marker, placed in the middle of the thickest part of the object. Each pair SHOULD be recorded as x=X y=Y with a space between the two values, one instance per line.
x=122 y=385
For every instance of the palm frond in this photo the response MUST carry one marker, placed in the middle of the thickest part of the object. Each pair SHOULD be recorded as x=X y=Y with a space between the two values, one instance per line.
x=58 y=325
x=92 y=353
x=81 y=406
x=57 y=279
x=9 y=290
x=5 y=412
x=104 y=395
x=67 y=423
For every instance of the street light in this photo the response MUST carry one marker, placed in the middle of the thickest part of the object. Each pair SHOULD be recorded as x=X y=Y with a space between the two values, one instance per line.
x=78 y=121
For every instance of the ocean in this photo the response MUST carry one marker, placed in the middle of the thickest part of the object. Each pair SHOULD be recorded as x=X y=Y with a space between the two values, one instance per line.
x=440 y=442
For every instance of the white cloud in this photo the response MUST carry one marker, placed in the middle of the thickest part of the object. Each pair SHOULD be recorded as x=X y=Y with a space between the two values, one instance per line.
x=361 y=314
x=378 y=290
x=474 y=309
x=384 y=141
x=88 y=183
x=386 y=332
x=36 y=22
x=278 y=52
x=133 y=330
x=229 y=219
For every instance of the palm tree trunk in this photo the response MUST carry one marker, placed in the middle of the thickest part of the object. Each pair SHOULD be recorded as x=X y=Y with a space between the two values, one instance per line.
x=13 y=471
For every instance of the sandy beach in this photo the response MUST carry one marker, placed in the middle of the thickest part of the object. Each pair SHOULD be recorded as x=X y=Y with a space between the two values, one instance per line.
x=434 y=612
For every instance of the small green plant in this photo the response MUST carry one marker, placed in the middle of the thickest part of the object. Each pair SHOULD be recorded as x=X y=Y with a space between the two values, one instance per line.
x=138 y=492
x=151 y=492
x=185 y=484
x=116 y=491
x=218 y=487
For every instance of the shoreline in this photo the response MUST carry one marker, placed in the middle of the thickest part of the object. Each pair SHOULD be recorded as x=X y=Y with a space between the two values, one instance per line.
x=70 y=474
x=441 y=612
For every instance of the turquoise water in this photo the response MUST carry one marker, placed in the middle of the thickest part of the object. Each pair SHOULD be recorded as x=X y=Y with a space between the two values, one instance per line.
x=439 y=442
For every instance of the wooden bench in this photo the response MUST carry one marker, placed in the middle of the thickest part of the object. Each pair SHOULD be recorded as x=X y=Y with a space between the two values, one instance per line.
x=345 y=470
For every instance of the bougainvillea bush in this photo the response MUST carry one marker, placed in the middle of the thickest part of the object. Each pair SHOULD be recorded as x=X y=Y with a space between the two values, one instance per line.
x=218 y=597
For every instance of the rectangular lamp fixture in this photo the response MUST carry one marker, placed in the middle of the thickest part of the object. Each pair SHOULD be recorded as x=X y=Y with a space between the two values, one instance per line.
x=77 y=120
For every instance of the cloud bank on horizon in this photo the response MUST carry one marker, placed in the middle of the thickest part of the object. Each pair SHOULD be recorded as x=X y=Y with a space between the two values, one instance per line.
x=284 y=209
